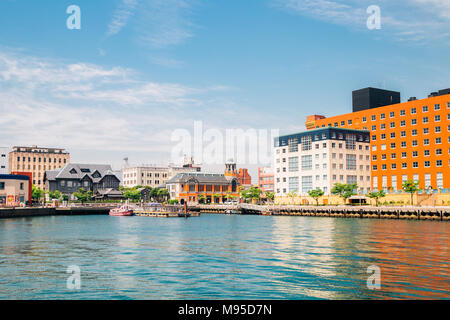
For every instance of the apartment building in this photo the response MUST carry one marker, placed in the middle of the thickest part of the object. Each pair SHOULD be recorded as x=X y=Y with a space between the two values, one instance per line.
x=320 y=158
x=36 y=160
x=4 y=160
x=409 y=140
x=153 y=176
x=266 y=179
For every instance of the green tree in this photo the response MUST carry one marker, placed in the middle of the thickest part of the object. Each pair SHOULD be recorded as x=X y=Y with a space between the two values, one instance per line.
x=132 y=194
x=255 y=193
x=377 y=195
x=245 y=194
x=316 y=194
x=54 y=194
x=83 y=195
x=270 y=196
x=411 y=187
x=202 y=198
x=163 y=194
x=37 y=193
x=216 y=196
x=344 y=191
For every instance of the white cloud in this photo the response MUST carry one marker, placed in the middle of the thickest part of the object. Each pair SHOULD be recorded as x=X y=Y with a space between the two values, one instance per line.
x=156 y=24
x=123 y=13
x=94 y=109
x=404 y=20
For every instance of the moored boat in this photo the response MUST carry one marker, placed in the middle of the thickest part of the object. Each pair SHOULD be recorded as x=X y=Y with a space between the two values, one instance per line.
x=123 y=211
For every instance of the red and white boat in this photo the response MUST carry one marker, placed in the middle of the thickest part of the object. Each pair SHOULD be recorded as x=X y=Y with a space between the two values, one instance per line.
x=123 y=211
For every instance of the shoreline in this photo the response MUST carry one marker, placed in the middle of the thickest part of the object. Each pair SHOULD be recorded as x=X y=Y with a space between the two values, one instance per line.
x=396 y=213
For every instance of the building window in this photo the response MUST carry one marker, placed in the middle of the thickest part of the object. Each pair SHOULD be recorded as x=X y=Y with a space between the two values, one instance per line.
x=392 y=125
x=404 y=165
x=438 y=163
x=425 y=109
x=437 y=107
x=402 y=112
x=426 y=130
x=306 y=184
x=438 y=140
x=439 y=180
x=306 y=162
x=293 y=164
x=413 y=111
x=413 y=121
x=2 y=186
x=437 y=118
x=351 y=161
x=414 y=132
x=293 y=184
x=293 y=144
x=306 y=143
x=391 y=114
x=393 y=166
x=437 y=129
x=425 y=119
x=415 y=164
x=427 y=164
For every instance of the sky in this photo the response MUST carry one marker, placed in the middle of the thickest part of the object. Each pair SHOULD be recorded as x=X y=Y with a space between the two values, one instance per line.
x=138 y=70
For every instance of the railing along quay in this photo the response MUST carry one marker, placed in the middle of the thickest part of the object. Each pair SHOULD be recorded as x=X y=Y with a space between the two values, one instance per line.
x=400 y=213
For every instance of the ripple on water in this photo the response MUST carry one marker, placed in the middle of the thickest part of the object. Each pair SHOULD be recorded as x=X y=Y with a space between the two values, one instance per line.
x=223 y=257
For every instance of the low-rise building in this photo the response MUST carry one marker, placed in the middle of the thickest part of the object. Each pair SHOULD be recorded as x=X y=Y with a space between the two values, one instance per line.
x=320 y=158
x=14 y=190
x=37 y=160
x=244 y=177
x=192 y=186
x=73 y=176
x=153 y=176
x=266 y=179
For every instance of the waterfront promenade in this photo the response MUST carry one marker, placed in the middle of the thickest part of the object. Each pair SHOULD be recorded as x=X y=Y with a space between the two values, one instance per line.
x=370 y=212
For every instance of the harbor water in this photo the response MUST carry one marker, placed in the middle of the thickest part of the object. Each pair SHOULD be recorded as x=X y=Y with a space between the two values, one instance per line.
x=223 y=257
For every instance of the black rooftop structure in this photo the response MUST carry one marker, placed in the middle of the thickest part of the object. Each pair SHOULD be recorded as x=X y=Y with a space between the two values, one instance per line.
x=369 y=98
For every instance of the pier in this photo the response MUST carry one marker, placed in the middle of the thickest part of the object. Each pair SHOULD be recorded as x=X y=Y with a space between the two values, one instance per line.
x=412 y=213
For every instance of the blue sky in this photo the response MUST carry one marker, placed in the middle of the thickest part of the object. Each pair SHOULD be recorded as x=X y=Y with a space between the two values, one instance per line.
x=138 y=69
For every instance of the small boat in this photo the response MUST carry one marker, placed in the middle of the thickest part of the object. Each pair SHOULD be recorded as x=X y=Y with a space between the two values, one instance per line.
x=123 y=211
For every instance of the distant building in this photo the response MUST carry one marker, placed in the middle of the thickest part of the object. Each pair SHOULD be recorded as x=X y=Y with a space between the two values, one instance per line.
x=14 y=190
x=37 y=160
x=266 y=179
x=244 y=178
x=71 y=177
x=4 y=160
x=320 y=158
x=153 y=176
x=188 y=187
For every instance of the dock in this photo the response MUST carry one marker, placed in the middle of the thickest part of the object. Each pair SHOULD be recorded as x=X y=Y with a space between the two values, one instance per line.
x=409 y=213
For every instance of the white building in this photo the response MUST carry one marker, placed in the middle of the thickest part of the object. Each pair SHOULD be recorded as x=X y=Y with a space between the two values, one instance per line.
x=320 y=158
x=4 y=153
x=153 y=176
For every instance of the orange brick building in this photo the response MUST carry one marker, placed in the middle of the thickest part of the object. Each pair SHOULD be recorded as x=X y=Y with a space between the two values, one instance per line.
x=409 y=140
x=244 y=177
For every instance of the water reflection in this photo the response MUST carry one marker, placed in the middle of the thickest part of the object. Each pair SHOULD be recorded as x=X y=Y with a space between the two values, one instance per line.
x=223 y=257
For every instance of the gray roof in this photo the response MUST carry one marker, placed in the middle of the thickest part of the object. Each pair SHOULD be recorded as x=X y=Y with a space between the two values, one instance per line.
x=210 y=178
x=81 y=170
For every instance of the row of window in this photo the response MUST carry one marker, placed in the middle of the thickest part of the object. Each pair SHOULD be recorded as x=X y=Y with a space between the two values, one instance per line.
x=415 y=154
x=349 y=122
x=391 y=181
x=414 y=133
x=404 y=165
x=414 y=143
x=2 y=186
x=24 y=159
